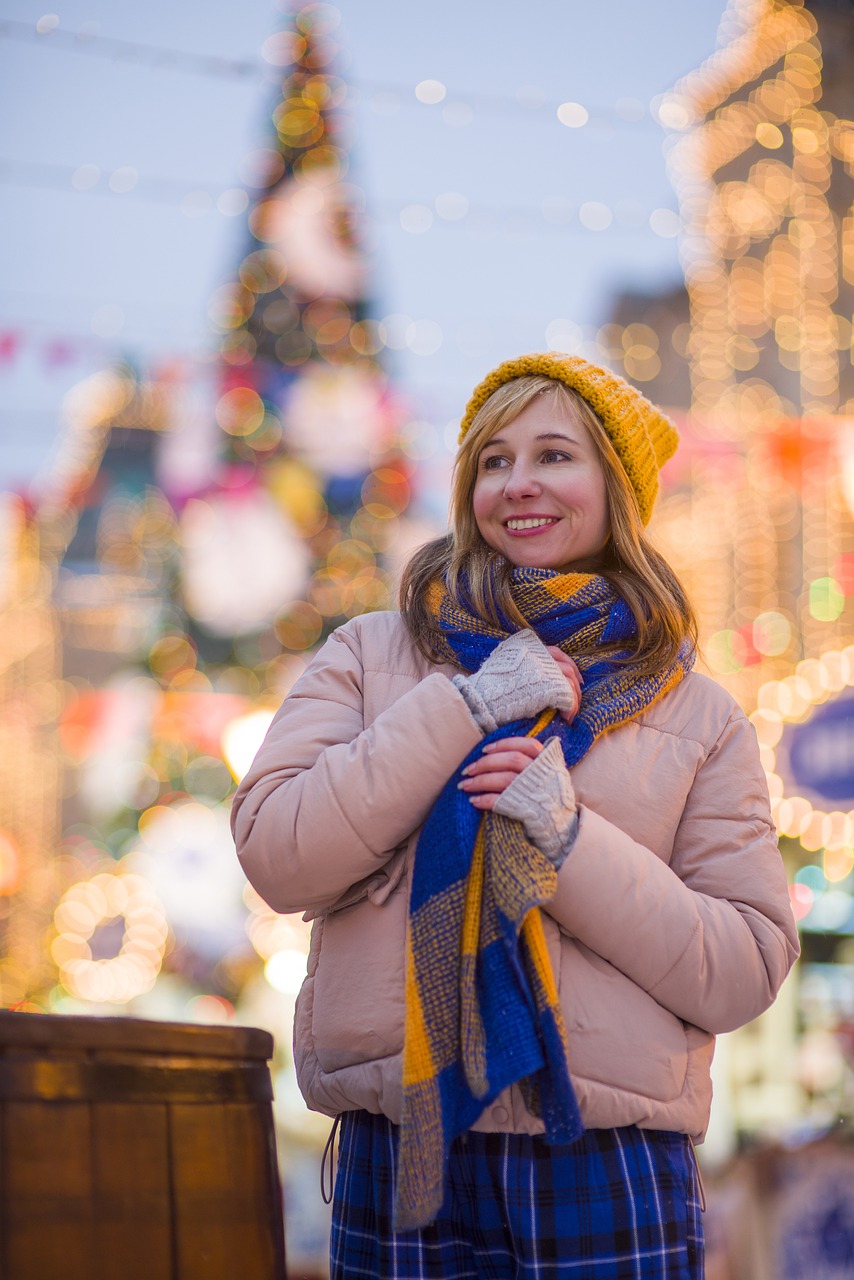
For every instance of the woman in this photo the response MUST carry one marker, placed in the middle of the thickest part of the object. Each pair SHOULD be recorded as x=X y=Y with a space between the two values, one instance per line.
x=538 y=853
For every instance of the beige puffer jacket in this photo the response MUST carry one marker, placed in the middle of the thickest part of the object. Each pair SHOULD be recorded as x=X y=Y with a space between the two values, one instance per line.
x=671 y=919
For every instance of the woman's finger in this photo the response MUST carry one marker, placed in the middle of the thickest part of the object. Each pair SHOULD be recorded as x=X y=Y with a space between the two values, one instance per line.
x=489 y=783
x=507 y=763
x=567 y=665
x=530 y=746
x=492 y=773
x=486 y=801
x=510 y=753
x=573 y=676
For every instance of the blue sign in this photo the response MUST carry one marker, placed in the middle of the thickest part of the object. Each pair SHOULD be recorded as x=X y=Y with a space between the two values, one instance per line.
x=820 y=753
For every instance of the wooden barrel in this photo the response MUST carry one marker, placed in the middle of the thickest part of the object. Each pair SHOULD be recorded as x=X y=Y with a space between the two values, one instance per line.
x=135 y=1150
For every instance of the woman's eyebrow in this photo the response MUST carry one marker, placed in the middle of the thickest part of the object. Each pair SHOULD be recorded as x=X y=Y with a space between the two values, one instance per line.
x=546 y=435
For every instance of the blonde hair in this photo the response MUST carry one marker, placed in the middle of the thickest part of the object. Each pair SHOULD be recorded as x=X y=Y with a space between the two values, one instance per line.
x=473 y=571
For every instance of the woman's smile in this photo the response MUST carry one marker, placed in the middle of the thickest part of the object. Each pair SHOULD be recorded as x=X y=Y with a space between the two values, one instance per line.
x=530 y=524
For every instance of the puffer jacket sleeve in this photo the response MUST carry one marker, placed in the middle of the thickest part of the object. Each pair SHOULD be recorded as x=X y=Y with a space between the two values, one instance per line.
x=710 y=934
x=327 y=799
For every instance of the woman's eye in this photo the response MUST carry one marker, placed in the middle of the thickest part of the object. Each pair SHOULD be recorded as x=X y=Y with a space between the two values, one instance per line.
x=555 y=455
x=492 y=463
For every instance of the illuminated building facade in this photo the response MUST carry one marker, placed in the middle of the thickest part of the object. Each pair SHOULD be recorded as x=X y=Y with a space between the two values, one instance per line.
x=763 y=162
x=754 y=360
x=758 y=519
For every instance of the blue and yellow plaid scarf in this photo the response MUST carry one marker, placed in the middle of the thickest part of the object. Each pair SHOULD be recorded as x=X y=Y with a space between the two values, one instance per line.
x=482 y=1008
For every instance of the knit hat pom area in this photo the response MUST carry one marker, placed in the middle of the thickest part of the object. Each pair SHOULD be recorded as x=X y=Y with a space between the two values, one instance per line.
x=643 y=437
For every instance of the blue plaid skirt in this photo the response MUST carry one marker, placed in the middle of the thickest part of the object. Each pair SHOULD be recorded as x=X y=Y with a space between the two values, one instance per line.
x=617 y=1204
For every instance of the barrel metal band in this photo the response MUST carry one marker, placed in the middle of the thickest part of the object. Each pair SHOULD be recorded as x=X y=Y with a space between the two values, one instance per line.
x=69 y=1080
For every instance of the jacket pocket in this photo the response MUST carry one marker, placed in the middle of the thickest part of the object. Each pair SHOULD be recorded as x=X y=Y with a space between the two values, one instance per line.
x=618 y=1034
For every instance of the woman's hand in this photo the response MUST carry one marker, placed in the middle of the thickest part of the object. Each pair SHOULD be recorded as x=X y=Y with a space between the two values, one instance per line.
x=500 y=762
x=527 y=781
x=573 y=675
x=520 y=678
x=485 y=779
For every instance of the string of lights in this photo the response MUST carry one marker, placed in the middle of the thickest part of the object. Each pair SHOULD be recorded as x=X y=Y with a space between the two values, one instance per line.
x=385 y=97
x=124 y=181
x=87 y=40
x=450 y=209
x=634 y=348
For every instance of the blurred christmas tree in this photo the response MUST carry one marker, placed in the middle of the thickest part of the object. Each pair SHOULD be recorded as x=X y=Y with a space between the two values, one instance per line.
x=309 y=470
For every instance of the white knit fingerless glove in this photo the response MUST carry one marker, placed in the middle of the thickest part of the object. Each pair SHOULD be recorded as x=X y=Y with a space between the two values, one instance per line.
x=542 y=798
x=519 y=679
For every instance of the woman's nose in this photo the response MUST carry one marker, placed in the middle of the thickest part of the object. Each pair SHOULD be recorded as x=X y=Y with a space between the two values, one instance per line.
x=521 y=483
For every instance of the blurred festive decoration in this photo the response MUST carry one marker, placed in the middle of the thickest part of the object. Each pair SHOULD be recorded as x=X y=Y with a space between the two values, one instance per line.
x=241 y=739
x=201 y=530
x=242 y=559
x=309 y=423
x=803 y=724
x=31 y=694
x=118 y=913
x=186 y=853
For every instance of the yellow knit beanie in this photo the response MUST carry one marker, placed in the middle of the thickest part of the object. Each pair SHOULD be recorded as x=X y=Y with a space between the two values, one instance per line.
x=642 y=436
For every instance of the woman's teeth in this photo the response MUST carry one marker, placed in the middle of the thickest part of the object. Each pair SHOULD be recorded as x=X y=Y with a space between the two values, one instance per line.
x=537 y=522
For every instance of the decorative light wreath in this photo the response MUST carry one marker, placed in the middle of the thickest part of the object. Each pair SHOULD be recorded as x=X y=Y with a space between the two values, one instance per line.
x=89 y=904
x=790 y=701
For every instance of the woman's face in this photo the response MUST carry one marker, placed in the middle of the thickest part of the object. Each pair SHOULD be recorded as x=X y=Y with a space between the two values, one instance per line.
x=539 y=495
